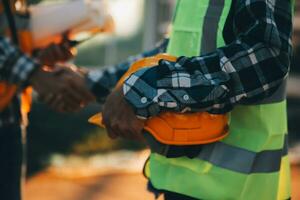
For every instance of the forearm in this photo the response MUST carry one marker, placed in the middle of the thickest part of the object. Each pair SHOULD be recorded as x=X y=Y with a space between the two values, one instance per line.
x=199 y=91
x=102 y=81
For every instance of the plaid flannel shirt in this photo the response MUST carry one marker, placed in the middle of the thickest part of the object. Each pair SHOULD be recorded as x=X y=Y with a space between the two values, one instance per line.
x=248 y=69
x=15 y=68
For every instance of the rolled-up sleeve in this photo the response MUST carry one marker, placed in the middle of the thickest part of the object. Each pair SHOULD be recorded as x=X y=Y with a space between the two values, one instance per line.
x=248 y=69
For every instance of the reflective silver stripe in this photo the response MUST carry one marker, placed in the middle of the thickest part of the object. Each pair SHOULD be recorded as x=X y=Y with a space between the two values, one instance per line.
x=210 y=26
x=241 y=160
x=227 y=156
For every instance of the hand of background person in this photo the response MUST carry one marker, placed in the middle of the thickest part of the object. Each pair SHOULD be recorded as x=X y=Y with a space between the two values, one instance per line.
x=119 y=118
x=63 y=89
x=55 y=53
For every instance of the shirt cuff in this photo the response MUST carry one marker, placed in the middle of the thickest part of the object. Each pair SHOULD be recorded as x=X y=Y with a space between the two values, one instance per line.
x=142 y=96
x=94 y=81
x=22 y=70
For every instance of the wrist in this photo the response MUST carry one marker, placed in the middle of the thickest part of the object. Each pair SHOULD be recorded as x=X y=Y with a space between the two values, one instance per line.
x=96 y=84
x=37 y=76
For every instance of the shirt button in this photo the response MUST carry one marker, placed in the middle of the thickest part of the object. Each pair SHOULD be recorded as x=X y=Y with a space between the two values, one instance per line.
x=186 y=97
x=144 y=100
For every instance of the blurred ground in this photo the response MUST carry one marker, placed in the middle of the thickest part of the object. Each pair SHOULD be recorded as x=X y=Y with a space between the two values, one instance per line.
x=105 y=178
x=114 y=176
x=113 y=186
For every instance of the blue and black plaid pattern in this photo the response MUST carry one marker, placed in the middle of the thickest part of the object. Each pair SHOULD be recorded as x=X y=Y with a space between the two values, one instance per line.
x=251 y=66
x=15 y=68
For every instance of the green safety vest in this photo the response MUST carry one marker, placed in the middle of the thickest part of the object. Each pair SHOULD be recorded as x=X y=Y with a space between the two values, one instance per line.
x=252 y=162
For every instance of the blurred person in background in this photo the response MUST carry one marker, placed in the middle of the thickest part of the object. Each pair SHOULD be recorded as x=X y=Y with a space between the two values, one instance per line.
x=18 y=71
x=234 y=56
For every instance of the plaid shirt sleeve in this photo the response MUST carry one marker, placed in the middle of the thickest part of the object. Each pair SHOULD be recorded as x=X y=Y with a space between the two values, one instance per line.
x=244 y=71
x=15 y=67
x=102 y=81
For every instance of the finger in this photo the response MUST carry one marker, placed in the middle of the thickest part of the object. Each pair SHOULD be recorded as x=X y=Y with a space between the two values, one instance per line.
x=55 y=53
x=125 y=131
x=61 y=71
x=59 y=53
x=70 y=94
x=106 y=121
x=73 y=97
x=66 y=50
x=62 y=103
x=50 y=52
x=137 y=130
x=71 y=106
x=48 y=99
x=66 y=47
x=57 y=106
x=65 y=54
x=136 y=135
x=111 y=134
x=68 y=97
x=139 y=137
x=65 y=38
x=65 y=107
x=83 y=92
x=69 y=109
x=77 y=88
x=47 y=57
x=123 y=128
x=56 y=103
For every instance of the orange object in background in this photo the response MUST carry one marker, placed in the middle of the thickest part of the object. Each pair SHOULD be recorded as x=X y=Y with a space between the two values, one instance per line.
x=177 y=128
x=25 y=41
x=7 y=92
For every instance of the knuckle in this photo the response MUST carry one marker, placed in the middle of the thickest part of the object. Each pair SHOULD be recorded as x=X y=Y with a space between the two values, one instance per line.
x=65 y=87
x=125 y=128
x=106 y=121
x=115 y=126
x=68 y=79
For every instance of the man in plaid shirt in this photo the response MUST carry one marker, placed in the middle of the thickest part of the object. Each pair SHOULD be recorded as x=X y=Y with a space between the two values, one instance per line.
x=250 y=67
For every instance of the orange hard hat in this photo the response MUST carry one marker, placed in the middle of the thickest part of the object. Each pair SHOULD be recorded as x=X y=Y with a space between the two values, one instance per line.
x=177 y=128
